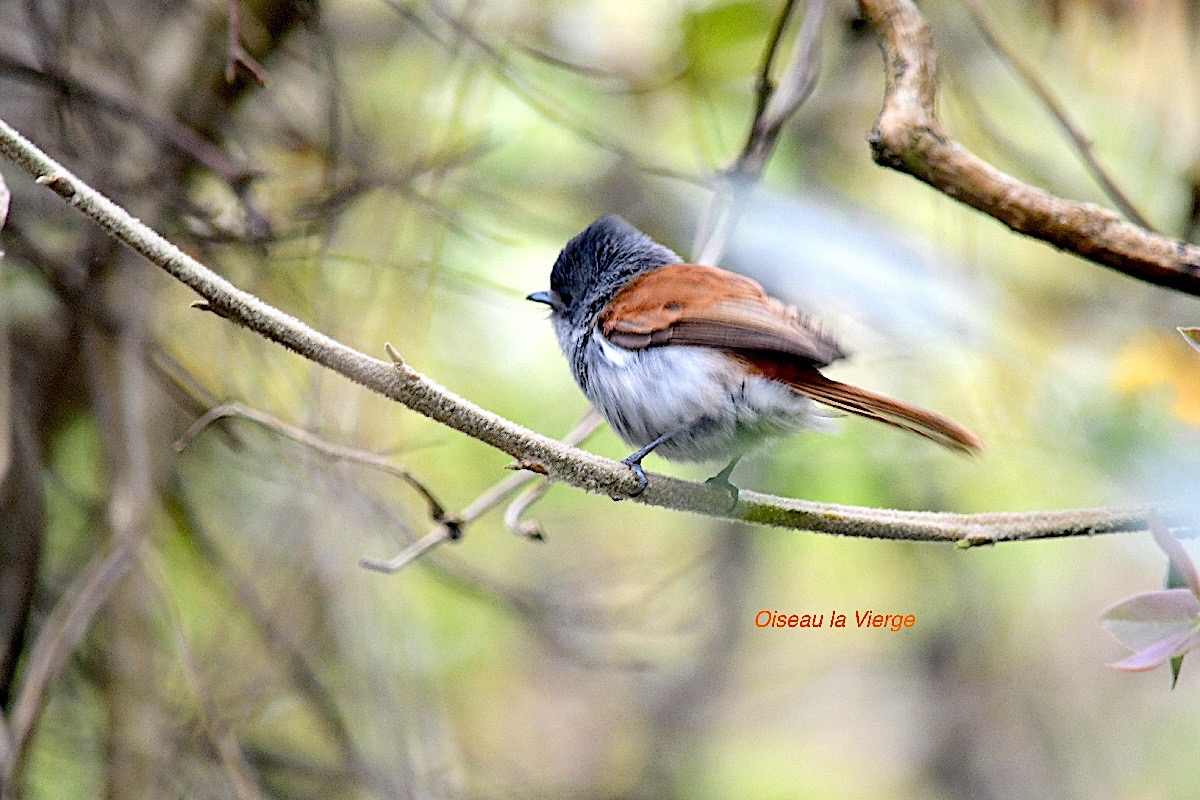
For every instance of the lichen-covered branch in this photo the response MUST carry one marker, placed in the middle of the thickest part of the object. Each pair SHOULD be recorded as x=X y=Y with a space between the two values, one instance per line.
x=560 y=462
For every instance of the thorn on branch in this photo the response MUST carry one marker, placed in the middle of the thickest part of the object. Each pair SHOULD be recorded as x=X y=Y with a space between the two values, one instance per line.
x=60 y=185
x=204 y=305
x=397 y=361
x=525 y=465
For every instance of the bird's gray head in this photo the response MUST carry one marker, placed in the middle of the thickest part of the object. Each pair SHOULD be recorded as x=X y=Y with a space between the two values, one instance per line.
x=594 y=266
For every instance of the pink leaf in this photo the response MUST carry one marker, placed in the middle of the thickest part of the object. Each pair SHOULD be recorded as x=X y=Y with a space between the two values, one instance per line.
x=1178 y=557
x=1160 y=652
x=1150 y=617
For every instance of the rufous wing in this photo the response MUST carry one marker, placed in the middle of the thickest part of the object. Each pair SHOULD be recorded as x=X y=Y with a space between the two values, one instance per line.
x=710 y=307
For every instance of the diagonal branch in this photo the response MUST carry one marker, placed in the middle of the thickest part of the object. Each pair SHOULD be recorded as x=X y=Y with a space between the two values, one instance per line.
x=451 y=526
x=908 y=137
x=774 y=105
x=437 y=511
x=1082 y=144
x=64 y=628
x=558 y=461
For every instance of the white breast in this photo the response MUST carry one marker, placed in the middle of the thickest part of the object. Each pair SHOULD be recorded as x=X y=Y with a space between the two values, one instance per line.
x=715 y=409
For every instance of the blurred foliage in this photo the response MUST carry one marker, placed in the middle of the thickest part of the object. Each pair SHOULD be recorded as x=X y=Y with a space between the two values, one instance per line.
x=416 y=168
x=1158 y=359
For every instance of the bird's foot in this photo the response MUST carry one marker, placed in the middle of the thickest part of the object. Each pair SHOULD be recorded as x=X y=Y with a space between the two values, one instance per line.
x=721 y=479
x=634 y=462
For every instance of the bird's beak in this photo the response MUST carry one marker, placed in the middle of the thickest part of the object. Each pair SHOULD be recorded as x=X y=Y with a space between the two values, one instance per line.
x=549 y=298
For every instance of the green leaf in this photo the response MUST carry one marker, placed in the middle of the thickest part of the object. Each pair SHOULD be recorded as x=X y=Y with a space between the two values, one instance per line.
x=1192 y=335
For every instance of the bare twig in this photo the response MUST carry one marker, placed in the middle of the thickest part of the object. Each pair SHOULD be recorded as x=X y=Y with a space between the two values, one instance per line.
x=6 y=384
x=293 y=661
x=444 y=532
x=409 y=554
x=794 y=88
x=1082 y=144
x=237 y=766
x=60 y=634
x=773 y=108
x=6 y=752
x=608 y=81
x=590 y=423
x=160 y=127
x=519 y=85
x=908 y=137
x=530 y=529
x=437 y=512
x=237 y=54
x=765 y=87
x=223 y=740
x=560 y=462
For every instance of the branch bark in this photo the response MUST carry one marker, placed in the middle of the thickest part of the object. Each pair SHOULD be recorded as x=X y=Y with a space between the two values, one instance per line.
x=557 y=460
x=908 y=137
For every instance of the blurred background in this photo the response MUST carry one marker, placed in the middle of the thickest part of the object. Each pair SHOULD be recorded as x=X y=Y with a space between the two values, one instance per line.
x=196 y=624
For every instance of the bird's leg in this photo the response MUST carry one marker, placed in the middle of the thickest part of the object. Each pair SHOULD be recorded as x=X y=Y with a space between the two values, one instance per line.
x=722 y=479
x=634 y=462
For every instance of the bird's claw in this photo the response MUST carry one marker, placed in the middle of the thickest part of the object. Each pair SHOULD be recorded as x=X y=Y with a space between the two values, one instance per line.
x=721 y=479
x=639 y=473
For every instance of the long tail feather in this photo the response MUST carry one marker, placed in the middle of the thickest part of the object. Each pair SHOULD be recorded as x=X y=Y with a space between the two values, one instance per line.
x=854 y=400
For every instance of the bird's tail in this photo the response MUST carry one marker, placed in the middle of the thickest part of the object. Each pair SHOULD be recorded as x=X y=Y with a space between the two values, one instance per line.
x=854 y=400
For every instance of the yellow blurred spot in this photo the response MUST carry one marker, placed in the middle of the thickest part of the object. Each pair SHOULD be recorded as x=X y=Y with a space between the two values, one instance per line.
x=1154 y=358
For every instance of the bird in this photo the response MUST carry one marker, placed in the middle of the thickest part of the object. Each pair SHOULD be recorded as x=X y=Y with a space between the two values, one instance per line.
x=699 y=364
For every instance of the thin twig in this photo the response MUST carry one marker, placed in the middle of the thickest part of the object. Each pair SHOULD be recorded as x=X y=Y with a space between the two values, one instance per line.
x=765 y=87
x=611 y=82
x=159 y=127
x=60 y=635
x=560 y=462
x=590 y=423
x=530 y=529
x=237 y=54
x=520 y=86
x=481 y=505
x=1083 y=145
x=409 y=554
x=909 y=138
x=6 y=753
x=774 y=106
x=293 y=661
x=437 y=511
x=7 y=387
x=224 y=742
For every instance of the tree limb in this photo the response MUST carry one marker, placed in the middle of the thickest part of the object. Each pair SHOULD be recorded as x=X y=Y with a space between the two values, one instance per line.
x=1082 y=144
x=908 y=137
x=560 y=462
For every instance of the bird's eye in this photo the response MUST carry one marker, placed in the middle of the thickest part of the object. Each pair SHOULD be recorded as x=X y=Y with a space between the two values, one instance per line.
x=565 y=297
